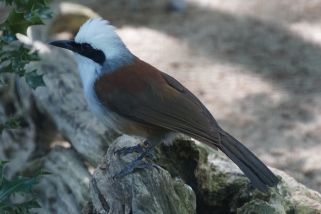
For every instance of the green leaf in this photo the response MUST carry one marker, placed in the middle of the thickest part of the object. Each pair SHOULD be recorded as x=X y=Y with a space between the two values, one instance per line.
x=17 y=185
x=34 y=80
x=33 y=56
x=7 y=69
x=16 y=23
x=2 y=164
x=19 y=208
x=7 y=35
x=13 y=59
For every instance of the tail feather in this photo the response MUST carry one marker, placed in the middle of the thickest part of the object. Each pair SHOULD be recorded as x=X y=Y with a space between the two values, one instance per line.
x=259 y=174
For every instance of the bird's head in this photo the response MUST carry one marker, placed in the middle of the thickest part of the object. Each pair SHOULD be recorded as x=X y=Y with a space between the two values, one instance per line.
x=97 y=42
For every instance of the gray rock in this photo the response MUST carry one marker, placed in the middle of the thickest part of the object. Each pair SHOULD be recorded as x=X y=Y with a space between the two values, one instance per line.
x=65 y=189
x=221 y=187
x=16 y=145
x=145 y=191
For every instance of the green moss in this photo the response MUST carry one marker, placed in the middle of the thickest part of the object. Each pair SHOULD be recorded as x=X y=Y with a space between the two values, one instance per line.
x=186 y=195
x=221 y=191
x=305 y=210
x=260 y=207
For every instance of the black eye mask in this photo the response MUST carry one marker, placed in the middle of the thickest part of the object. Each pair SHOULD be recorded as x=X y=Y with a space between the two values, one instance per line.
x=83 y=49
x=88 y=51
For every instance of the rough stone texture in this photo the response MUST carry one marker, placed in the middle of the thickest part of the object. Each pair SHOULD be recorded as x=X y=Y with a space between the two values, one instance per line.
x=304 y=199
x=16 y=145
x=62 y=100
x=147 y=191
x=221 y=187
x=65 y=189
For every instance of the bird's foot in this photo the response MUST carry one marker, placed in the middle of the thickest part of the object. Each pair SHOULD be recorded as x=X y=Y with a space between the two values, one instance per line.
x=139 y=148
x=138 y=163
x=128 y=150
x=133 y=166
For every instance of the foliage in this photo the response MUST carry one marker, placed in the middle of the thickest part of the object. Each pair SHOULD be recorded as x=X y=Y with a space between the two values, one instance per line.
x=13 y=55
x=18 y=186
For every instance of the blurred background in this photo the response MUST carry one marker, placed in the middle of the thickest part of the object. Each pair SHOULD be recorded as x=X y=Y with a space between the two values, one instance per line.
x=255 y=64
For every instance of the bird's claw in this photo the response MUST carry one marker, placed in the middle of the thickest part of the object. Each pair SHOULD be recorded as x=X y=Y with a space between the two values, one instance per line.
x=134 y=165
x=139 y=148
x=146 y=151
x=128 y=150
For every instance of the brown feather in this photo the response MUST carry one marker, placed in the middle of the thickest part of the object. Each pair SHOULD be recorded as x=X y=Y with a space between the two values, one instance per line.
x=129 y=78
x=145 y=95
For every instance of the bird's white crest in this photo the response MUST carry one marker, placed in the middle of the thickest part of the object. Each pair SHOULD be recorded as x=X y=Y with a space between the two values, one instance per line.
x=101 y=35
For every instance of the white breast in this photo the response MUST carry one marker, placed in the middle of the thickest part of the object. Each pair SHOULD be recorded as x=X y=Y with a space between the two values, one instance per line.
x=89 y=72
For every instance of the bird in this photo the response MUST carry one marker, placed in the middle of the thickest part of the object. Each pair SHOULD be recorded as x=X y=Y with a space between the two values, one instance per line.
x=135 y=98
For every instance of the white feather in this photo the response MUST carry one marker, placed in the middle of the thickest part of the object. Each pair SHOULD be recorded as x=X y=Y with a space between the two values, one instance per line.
x=102 y=36
x=88 y=73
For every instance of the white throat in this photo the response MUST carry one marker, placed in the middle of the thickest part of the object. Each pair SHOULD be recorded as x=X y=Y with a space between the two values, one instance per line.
x=88 y=71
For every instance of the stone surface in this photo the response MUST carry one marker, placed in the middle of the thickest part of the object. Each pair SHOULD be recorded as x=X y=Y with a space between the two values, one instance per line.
x=145 y=191
x=221 y=187
x=16 y=145
x=66 y=188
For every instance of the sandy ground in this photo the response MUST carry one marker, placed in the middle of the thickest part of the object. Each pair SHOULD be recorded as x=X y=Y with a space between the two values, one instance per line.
x=255 y=64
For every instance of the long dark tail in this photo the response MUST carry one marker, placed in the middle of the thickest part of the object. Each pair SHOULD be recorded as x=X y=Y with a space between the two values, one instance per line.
x=260 y=176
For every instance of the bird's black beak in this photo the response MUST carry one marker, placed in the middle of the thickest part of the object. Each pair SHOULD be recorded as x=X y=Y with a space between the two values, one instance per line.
x=83 y=49
x=66 y=44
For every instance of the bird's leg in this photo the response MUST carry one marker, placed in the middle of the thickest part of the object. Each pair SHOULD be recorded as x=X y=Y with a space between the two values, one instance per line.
x=134 y=165
x=139 y=148
x=138 y=163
